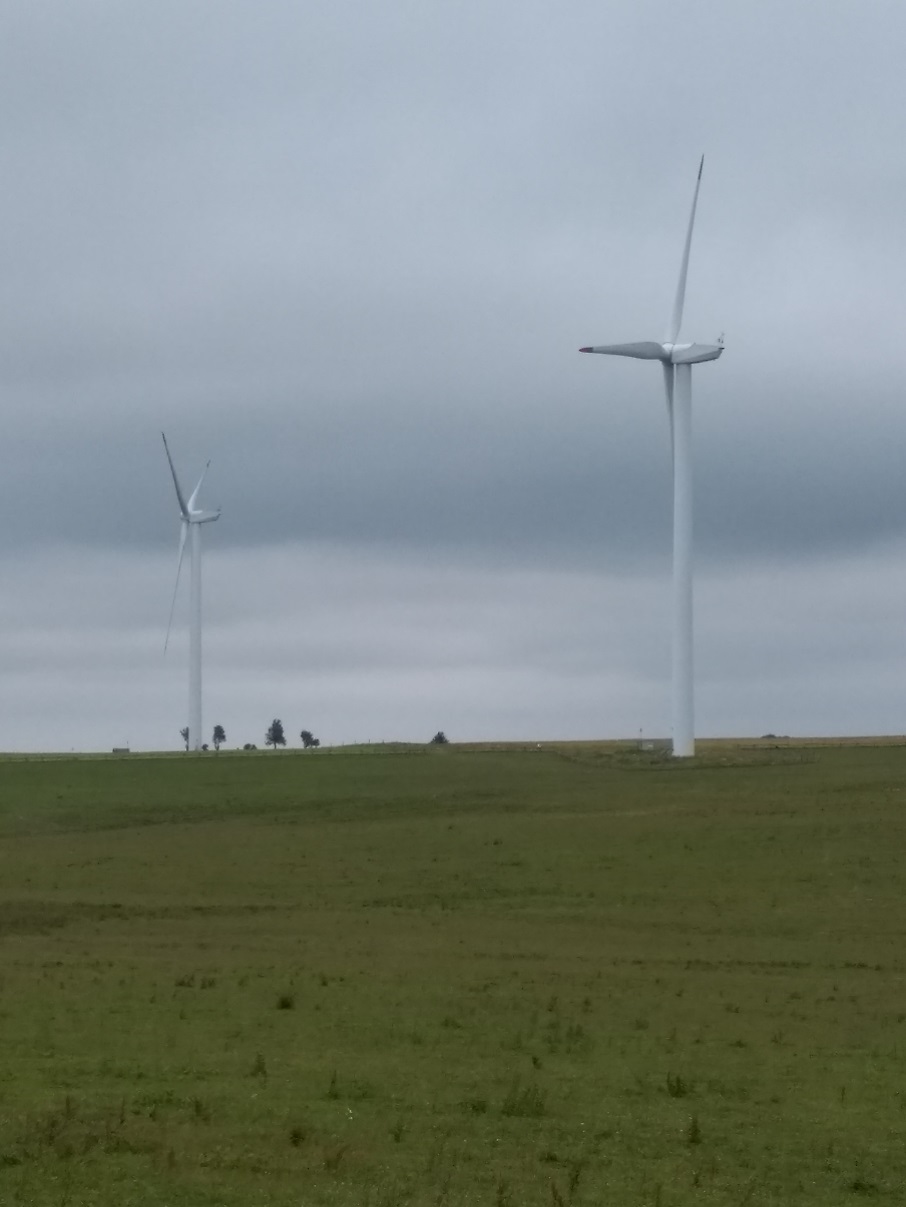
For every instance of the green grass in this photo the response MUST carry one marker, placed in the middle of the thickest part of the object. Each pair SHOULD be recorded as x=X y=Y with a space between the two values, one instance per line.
x=576 y=975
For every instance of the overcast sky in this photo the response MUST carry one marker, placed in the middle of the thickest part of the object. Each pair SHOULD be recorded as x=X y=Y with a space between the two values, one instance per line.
x=349 y=253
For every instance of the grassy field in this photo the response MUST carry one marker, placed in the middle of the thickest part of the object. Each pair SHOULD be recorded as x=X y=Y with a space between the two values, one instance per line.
x=574 y=975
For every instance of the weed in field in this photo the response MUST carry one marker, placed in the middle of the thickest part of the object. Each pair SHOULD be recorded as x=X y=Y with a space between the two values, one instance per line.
x=861 y=1186
x=576 y=1039
x=574 y=1175
x=677 y=1086
x=523 y=1102
x=332 y=1156
x=553 y=1033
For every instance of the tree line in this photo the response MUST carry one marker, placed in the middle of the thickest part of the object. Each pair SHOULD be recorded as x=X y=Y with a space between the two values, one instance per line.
x=274 y=736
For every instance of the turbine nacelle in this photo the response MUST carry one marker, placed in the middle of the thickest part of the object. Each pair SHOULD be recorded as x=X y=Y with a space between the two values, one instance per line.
x=694 y=354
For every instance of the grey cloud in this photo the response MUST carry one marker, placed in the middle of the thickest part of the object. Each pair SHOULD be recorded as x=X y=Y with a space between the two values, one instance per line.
x=351 y=261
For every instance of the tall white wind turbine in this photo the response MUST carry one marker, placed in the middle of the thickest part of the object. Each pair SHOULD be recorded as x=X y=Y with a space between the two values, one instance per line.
x=677 y=361
x=192 y=519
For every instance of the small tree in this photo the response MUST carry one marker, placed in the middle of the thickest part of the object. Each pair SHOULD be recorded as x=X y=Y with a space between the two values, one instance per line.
x=275 y=736
x=184 y=734
x=439 y=739
x=308 y=739
x=219 y=737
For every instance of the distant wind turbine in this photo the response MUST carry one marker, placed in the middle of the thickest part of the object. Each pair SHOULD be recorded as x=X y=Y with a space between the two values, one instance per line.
x=192 y=519
x=677 y=361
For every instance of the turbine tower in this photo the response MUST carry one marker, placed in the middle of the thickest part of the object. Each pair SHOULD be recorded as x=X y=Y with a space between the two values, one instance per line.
x=192 y=519
x=677 y=361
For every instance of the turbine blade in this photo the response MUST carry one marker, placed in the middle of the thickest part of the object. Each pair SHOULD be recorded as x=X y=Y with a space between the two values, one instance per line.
x=645 y=350
x=182 y=502
x=676 y=318
x=694 y=354
x=183 y=530
x=194 y=495
x=668 y=387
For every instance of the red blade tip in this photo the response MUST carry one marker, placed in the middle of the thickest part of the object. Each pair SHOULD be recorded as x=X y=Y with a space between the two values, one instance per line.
x=585 y=349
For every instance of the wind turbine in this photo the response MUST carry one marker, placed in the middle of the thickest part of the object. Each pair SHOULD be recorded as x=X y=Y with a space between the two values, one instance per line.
x=192 y=520
x=677 y=361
